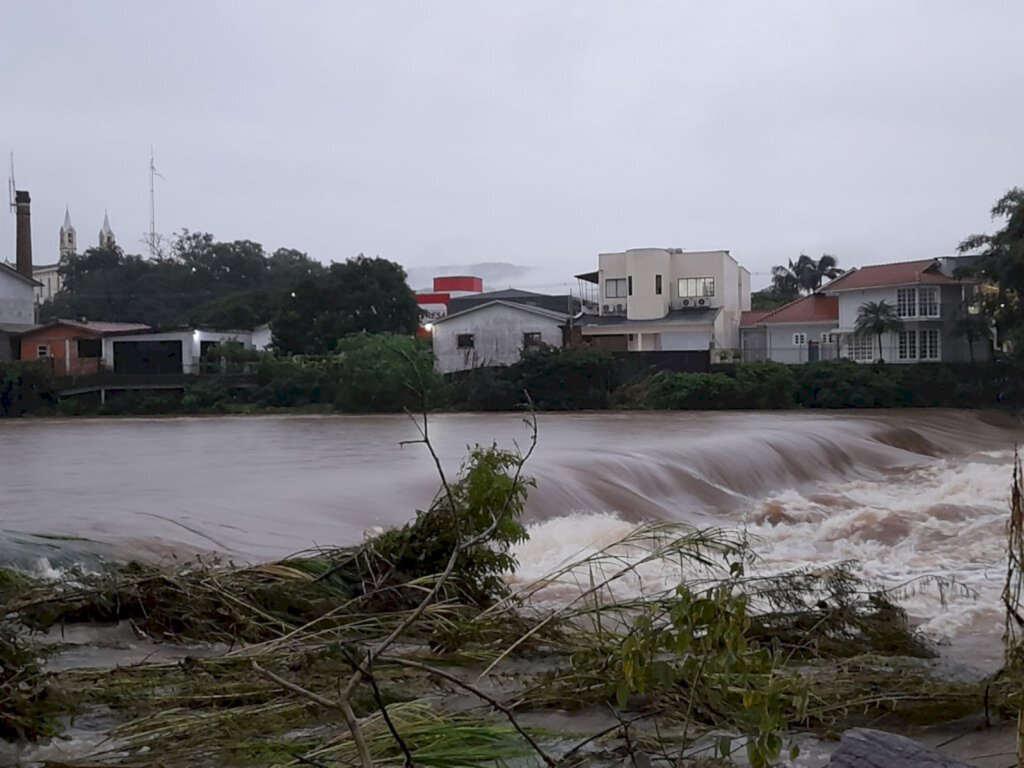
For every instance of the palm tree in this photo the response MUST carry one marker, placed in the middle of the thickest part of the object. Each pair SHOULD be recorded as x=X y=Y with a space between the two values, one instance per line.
x=971 y=327
x=875 y=318
x=813 y=273
x=805 y=275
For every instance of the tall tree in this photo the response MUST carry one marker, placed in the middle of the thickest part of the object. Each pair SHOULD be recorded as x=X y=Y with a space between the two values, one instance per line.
x=875 y=318
x=359 y=295
x=1000 y=261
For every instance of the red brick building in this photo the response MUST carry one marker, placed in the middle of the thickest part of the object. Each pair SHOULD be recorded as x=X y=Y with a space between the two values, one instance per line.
x=74 y=347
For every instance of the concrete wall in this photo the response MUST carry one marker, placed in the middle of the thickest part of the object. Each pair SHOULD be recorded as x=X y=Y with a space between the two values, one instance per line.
x=17 y=300
x=497 y=337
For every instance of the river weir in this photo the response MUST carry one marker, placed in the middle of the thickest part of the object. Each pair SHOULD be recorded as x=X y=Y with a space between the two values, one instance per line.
x=913 y=503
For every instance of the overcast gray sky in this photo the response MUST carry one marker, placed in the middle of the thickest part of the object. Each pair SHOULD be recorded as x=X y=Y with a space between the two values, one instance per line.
x=538 y=133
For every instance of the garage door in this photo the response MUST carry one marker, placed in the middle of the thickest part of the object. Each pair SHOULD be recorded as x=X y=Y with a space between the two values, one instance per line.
x=147 y=357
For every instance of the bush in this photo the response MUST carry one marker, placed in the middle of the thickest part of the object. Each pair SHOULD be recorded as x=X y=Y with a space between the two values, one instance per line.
x=569 y=379
x=846 y=384
x=481 y=389
x=766 y=386
x=487 y=490
x=25 y=388
x=206 y=395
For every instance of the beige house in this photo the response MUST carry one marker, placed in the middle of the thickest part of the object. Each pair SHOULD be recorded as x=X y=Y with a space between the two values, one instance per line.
x=666 y=299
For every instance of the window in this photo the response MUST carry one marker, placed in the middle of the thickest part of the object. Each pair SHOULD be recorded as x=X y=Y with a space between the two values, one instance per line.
x=696 y=287
x=930 y=345
x=464 y=340
x=657 y=285
x=907 y=348
x=862 y=348
x=90 y=348
x=906 y=302
x=828 y=338
x=928 y=302
x=629 y=283
x=531 y=339
x=799 y=339
x=43 y=350
x=615 y=289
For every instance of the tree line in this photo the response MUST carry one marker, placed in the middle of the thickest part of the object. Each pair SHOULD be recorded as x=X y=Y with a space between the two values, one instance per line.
x=202 y=281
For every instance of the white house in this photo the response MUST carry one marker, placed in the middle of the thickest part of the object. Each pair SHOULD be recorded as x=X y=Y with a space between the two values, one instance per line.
x=659 y=299
x=17 y=297
x=262 y=337
x=927 y=299
x=803 y=331
x=494 y=334
x=164 y=352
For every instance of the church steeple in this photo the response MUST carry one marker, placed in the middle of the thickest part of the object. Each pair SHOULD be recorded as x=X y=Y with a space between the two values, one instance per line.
x=107 y=239
x=68 y=237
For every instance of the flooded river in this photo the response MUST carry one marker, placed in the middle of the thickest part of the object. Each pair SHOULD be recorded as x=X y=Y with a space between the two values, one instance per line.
x=904 y=493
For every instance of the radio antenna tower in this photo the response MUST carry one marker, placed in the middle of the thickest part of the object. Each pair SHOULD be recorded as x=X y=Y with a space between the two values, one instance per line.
x=10 y=184
x=154 y=249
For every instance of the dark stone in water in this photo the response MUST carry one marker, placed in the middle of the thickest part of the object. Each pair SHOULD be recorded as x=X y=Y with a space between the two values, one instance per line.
x=867 y=748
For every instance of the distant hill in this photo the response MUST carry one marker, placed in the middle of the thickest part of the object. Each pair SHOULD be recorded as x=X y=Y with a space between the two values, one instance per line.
x=496 y=274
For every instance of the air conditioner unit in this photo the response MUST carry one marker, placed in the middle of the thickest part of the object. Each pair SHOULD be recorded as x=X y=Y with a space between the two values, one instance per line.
x=702 y=302
x=618 y=307
x=686 y=302
x=607 y=307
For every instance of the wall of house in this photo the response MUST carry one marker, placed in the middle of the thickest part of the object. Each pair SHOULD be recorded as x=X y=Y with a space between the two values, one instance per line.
x=497 y=337
x=17 y=300
x=781 y=347
x=61 y=347
x=262 y=338
x=644 y=265
x=686 y=340
x=754 y=344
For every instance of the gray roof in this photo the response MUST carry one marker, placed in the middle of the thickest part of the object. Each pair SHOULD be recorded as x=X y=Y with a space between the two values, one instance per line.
x=563 y=316
x=506 y=293
x=675 y=317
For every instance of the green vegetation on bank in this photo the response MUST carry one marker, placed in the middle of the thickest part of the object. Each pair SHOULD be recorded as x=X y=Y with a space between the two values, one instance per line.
x=389 y=373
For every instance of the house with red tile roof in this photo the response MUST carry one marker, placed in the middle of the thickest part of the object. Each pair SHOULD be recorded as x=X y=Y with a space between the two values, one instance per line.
x=927 y=298
x=799 y=332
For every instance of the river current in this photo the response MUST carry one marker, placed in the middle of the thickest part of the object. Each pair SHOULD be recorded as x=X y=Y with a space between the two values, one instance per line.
x=906 y=494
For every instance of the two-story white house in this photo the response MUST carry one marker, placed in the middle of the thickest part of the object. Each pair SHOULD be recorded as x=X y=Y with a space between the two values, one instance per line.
x=664 y=299
x=927 y=299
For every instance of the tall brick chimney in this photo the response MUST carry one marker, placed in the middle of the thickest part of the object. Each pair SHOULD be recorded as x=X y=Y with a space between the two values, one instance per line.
x=24 y=228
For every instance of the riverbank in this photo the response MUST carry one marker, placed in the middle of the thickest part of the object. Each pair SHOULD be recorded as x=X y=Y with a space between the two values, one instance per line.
x=245 y=665
x=377 y=377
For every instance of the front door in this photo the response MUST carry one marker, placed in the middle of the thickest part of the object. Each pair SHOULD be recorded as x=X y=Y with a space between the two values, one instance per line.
x=813 y=352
